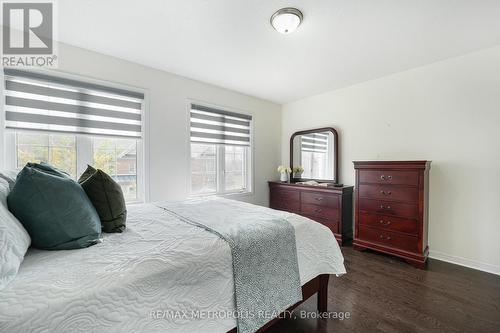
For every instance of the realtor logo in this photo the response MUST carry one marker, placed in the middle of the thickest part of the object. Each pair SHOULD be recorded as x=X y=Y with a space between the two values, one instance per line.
x=28 y=34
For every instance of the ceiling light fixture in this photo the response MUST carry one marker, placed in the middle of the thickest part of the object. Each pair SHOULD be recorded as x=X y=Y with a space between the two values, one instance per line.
x=286 y=20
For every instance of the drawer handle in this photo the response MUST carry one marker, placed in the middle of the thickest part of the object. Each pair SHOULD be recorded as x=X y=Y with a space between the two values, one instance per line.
x=384 y=177
x=385 y=223
x=384 y=207
x=319 y=198
x=385 y=193
x=386 y=238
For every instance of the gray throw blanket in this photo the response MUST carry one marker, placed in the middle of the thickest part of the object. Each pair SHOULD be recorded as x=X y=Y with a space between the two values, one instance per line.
x=265 y=267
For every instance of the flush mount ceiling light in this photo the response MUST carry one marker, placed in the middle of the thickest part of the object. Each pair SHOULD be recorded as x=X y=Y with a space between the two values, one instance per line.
x=286 y=20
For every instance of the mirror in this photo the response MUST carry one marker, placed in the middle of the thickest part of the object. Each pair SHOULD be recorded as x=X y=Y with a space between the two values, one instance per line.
x=316 y=152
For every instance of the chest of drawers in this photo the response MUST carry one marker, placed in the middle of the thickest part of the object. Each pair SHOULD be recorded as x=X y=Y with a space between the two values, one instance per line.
x=391 y=213
x=330 y=206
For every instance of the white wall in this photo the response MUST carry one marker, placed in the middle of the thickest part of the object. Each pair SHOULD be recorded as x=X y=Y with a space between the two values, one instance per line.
x=169 y=98
x=447 y=112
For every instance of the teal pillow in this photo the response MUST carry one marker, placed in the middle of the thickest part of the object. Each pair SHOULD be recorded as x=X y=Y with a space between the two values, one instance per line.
x=54 y=209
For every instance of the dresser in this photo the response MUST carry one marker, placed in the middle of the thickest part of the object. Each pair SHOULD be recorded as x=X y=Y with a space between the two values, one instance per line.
x=330 y=206
x=391 y=213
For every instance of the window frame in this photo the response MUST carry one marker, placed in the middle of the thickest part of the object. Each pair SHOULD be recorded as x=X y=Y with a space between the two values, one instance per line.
x=220 y=158
x=8 y=138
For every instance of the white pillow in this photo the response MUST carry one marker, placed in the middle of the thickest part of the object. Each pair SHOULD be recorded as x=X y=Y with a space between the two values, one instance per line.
x=10 y=176
x=14 y=240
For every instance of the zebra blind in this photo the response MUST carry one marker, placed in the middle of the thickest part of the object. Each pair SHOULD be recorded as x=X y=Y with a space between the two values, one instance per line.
x=41 y=102
x=209 y=125
x=316 y=142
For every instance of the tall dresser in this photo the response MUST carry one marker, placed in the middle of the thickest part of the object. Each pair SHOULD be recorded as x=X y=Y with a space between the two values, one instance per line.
x=330 y=206
x=391 y=213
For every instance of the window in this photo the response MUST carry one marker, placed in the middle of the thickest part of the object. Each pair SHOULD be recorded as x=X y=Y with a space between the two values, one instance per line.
x=118 y=158
x=220 y=151
x=75 y=124
x=203 y=168
x=235 y=167
x=58 y=150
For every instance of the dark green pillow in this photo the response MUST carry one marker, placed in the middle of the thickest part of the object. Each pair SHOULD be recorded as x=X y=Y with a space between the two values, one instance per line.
x=54 y=209
x=107 y=197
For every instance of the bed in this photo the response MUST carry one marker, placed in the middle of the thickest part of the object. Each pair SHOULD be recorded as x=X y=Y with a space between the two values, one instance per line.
x=160 y=275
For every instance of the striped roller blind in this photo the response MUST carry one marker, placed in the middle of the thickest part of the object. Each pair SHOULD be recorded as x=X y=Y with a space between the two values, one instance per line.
x=316 y=142
x=35 y=101
x=209 y=125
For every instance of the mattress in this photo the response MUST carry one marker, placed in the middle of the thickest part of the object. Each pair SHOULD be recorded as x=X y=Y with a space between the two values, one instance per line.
x=160 y=275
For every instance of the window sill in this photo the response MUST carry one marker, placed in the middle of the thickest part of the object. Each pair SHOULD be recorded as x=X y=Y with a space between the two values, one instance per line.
x=134 y=202
x=222 y=195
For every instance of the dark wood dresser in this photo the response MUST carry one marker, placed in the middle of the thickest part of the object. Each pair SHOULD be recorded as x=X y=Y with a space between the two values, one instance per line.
x=392 y=208
x=330 y=206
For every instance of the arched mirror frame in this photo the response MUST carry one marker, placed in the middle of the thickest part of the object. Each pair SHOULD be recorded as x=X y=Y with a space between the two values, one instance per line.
x=335 y=153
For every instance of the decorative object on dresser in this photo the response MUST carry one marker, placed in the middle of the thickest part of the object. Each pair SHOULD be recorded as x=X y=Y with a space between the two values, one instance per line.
x=328 y=205
x=392 y=208
x=284 y=172
x=297 y=171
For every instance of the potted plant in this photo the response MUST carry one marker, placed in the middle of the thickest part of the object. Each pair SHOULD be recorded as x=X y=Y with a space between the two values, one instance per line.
x=297 y=171
x=284 y=172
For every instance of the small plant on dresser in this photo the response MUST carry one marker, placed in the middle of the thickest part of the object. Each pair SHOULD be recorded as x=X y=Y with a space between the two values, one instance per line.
x=391 y=213
x=284 y=172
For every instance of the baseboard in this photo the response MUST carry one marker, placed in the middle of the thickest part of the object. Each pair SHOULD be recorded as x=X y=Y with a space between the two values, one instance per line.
x=481 y=266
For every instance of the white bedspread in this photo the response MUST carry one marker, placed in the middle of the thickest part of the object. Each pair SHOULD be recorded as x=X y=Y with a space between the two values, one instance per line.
x=148 y=279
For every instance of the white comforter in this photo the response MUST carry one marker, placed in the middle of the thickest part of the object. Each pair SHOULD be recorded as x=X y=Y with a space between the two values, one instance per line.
x=148 y=279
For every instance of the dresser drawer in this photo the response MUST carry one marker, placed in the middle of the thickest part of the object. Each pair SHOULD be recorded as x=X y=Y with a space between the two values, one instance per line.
x=388 y=192
x=283 y=199
x=320 y=199
x=388 y=208
x=387 y=238
x=389 y=177
x=333 y=224
x=389 y=223
x=320 y=211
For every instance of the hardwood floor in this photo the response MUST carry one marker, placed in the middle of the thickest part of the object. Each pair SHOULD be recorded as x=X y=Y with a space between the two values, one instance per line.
x=384 y=294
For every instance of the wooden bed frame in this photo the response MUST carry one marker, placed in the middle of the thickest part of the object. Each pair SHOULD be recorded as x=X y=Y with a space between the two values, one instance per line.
x=317 y=285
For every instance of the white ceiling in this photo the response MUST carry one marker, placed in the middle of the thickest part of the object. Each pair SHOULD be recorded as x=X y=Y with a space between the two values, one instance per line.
x=230 y=43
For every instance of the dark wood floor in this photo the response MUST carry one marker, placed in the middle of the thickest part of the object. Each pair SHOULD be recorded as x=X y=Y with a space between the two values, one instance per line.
x=383 y=294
